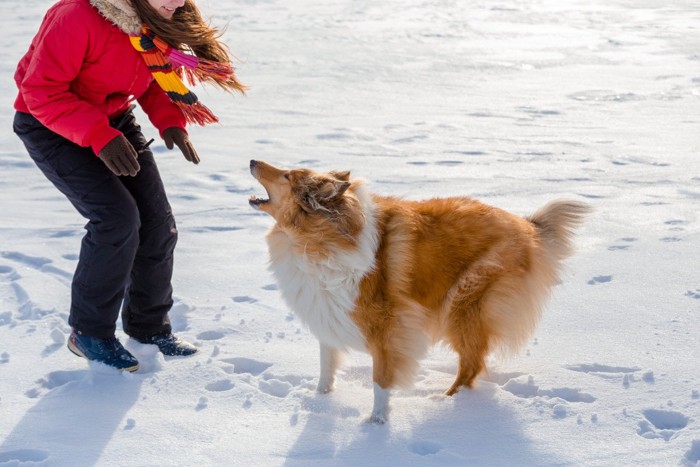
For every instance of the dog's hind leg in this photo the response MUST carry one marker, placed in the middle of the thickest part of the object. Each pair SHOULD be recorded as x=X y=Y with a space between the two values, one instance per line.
x=466 y=332
x=330 y=360
x=470 y=341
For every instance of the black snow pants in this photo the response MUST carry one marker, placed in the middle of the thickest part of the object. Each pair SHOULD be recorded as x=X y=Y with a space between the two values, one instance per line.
x=126 y=255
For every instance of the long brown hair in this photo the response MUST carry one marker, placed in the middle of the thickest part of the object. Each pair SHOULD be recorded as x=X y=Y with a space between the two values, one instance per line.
x=187 y=30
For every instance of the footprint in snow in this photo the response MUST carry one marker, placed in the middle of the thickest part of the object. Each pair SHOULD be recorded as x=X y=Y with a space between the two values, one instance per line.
x=58 y=339
x=333 y=136
x=218 y=177
x=676 y=224
x=8 y=274
x=664 y=424
x=244 y=299
x=599 y=280
x=470 y=153
x=556 y=399
x=615 y=373
x=537 y=112
x=624 y=246
x=528 y=389
x=12 y=291
x=596 y=368
x=39 y=263
x=5 y=318
x=220 y=386
x=23 y=456
x=212 y=335
x=692 y=457
x=201 y=404
x=690 y=293
x=54 y=380
x=409 y=139
x=592 y=196
x=275 y=387
x=34 y=262
x=242 y=365
x=424 y=448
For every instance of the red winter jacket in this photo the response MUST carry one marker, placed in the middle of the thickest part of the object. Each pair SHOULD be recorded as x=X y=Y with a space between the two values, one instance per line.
x=81 y=71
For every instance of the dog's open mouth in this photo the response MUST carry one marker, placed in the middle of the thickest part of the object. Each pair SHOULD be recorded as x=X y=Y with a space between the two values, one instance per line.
x=256 y=202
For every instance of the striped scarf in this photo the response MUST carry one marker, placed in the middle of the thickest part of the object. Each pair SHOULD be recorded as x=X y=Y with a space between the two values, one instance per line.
x=165 y=62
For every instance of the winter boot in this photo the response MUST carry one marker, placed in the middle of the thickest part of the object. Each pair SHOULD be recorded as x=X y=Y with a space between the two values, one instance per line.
x=108 y=351
x=170 y=345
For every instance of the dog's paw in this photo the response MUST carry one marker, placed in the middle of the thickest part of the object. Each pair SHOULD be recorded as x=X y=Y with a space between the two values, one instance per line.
x=377 y=418
x=324 y=387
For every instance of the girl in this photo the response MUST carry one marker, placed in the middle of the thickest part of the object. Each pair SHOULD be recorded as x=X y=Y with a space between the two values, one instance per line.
x=88 y=62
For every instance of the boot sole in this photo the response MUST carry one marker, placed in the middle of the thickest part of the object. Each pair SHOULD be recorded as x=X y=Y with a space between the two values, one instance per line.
x=80 y=354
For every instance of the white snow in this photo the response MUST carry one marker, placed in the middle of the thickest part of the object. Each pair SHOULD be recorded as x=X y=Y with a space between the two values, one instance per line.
x=513 y=102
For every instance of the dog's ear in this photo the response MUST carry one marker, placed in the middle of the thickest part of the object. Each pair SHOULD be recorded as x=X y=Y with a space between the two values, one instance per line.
x=333 y=190
x=328 y=192
x=322 y=196
x=342 y=176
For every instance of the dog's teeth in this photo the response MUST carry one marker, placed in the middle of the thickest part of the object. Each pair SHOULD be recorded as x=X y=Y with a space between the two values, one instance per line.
x=255 y=200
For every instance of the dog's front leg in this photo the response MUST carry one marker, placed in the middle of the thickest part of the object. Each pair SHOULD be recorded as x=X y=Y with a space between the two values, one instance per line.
x=380 y=410
x=383 y=378
x=330 y=358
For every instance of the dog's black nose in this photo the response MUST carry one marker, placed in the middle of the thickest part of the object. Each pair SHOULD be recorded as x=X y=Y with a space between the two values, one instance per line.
x=253 y=163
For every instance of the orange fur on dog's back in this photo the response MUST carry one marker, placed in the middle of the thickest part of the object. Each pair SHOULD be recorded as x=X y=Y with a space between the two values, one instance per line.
x=400 y=275
x=479 y=276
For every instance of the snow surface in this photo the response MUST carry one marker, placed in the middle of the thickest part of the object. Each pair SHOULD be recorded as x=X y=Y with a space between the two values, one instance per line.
x=514 y=102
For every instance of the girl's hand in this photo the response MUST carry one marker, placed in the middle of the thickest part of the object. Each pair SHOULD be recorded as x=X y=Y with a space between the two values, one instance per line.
x=120 y=157
x=179 y=137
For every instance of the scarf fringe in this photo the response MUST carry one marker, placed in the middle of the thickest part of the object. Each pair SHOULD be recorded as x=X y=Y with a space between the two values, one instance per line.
x=197 y=113
x=210 y=71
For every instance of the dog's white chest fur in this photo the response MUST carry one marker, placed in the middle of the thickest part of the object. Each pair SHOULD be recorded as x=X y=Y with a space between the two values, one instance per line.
x=323 y=291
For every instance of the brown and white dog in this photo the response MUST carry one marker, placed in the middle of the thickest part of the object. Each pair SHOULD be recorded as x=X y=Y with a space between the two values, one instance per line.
x=391 y=277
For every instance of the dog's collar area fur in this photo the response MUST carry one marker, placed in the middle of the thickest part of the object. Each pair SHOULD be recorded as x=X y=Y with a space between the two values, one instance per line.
x=120 y=13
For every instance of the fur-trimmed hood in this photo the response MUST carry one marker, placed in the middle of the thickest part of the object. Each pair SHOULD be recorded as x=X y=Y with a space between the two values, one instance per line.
x=120 y=13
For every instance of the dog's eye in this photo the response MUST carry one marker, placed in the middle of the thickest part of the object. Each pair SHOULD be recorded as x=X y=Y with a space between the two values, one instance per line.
x=286 y=175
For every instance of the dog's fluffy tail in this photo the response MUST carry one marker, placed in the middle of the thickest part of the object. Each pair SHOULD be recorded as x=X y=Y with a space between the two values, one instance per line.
x=516 y=302
x=556 y=222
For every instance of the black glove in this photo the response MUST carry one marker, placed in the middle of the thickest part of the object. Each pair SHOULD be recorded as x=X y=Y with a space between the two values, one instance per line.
x=178 y=136
x=120 y=157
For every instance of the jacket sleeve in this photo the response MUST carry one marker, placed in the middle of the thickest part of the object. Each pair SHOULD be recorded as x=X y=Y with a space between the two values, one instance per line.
x=162 y=112
x=60 y=49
